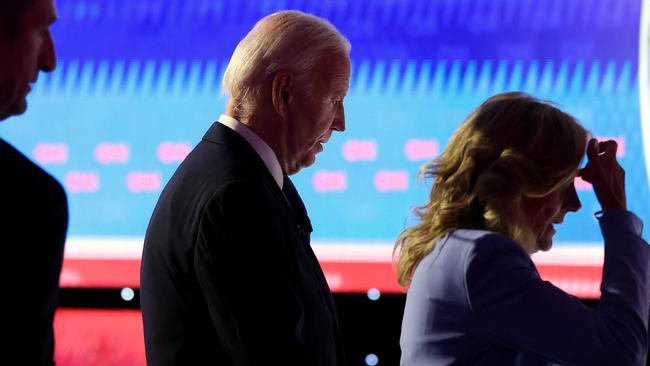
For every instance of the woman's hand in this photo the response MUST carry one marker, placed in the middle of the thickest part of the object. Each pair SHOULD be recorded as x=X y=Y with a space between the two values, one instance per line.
x=605 y=174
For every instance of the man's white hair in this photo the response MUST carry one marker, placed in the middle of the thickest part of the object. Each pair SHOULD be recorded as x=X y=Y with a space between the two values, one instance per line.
x=290 y=41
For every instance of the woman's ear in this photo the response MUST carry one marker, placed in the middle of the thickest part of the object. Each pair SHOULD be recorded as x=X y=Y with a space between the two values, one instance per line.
x=281 y=92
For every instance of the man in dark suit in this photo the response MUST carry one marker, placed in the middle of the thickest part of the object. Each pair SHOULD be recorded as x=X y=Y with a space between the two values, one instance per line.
x=33 y=207
x=228 y=276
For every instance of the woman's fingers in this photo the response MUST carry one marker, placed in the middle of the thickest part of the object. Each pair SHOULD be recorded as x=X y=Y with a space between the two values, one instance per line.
x=585 y=174
x=605 y=174
x=592 y=149
x=608 y=149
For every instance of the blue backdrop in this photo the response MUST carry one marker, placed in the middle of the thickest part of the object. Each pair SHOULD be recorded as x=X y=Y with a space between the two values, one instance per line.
x=138 y=83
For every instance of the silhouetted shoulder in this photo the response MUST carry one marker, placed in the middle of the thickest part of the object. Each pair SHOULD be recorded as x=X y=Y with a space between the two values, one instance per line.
x=22 y=176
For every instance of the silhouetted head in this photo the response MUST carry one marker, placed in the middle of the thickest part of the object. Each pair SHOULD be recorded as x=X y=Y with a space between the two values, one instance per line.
x=26 y=48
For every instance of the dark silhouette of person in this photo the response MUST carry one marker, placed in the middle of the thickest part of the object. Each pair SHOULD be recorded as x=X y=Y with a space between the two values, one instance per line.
x=33 y=206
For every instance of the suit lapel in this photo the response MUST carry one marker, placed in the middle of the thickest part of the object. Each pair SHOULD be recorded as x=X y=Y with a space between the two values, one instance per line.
x=299 y=211
x=304 y=230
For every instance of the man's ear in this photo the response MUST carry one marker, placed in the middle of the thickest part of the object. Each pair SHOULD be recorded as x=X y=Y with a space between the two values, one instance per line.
x=281 y=91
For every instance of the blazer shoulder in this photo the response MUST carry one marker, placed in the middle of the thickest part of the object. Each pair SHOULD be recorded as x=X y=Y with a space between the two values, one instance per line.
x=490 y=251
x=473 y=243
x=483 y=242
x=466 y=253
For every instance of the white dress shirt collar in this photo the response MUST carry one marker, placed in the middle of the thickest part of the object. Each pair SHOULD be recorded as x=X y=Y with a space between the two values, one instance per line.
x=262 y=148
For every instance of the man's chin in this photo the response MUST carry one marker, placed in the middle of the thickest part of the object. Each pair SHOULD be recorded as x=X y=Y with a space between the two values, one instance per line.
x=6 y=113
x=308 y=160
x=15 y=109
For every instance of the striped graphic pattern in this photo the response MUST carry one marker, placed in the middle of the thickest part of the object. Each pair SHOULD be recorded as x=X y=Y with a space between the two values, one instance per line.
x=138 y=83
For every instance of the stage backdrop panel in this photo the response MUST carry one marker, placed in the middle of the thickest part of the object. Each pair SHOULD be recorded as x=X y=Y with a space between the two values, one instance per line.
x=138 y=83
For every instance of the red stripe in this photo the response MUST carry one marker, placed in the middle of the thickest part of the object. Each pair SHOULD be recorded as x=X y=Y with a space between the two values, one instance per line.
x=99 y=337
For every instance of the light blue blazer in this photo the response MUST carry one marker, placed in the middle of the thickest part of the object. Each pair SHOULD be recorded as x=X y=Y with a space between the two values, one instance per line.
x=477 y=299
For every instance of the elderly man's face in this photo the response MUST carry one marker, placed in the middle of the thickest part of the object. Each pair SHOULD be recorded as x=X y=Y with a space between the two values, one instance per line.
x=314 y=117
x=22 y=57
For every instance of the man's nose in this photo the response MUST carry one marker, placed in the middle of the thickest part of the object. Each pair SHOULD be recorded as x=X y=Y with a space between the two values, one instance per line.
x=47 y=56
x=339 y=120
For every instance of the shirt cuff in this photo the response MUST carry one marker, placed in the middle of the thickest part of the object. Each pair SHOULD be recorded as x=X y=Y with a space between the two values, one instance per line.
x=620 y=221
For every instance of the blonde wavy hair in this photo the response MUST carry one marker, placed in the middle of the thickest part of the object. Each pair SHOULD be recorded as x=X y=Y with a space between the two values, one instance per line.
x=512 y=146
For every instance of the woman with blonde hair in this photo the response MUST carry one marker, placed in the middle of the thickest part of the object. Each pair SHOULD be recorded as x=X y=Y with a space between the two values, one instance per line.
x=475 y=297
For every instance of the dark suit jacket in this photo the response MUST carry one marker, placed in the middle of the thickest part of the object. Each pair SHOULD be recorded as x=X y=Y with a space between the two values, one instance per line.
x=33 y=224
x=226 y=277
